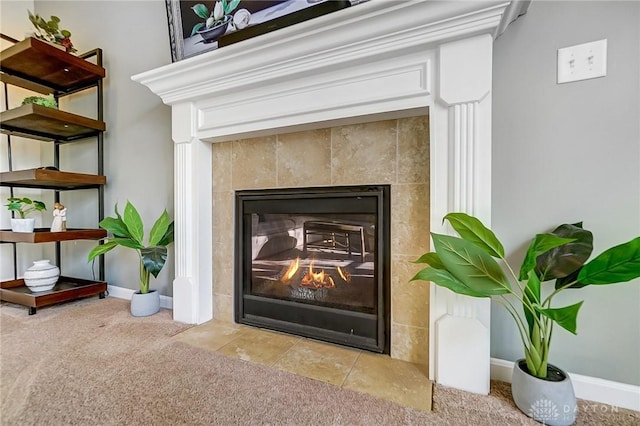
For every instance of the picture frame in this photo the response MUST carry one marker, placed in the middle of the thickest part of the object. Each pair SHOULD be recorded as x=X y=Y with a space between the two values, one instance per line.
x=189 y=35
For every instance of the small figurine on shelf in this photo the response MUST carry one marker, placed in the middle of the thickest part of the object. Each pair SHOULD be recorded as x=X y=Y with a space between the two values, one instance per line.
x=59 y=223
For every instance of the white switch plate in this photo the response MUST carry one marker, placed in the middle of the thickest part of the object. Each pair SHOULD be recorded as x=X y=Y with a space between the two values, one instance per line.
x=582 y=62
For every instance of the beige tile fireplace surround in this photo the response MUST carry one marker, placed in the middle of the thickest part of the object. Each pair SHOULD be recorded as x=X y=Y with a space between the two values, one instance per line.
x=394 y=152
x=354 y=84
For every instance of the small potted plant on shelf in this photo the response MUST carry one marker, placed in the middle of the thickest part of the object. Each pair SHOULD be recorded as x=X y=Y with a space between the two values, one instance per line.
x=50 y=31
x=24 y=206
x=128 y=231
x=47 y=101
x=466 y=266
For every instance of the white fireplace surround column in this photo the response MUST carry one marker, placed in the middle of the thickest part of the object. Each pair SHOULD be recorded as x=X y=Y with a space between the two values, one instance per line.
x=376 y=60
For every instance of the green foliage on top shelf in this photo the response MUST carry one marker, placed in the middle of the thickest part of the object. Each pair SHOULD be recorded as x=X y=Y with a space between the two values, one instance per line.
x=50 y=31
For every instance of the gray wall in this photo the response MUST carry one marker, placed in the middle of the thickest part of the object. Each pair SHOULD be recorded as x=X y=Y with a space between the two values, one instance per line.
x=568 y=153
x=138 y=148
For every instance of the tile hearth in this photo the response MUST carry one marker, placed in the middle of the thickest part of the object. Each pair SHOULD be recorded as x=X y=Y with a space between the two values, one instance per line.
x=398 y=381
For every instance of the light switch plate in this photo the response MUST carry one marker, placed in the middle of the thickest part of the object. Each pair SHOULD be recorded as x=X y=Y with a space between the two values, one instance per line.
x=582 y=62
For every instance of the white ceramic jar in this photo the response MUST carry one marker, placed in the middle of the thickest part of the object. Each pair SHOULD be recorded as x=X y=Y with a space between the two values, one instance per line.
x=42 y=276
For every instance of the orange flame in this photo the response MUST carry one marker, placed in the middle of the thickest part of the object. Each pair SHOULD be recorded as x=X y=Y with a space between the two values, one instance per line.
x=311 y=278
x=344 y=274
x=317 y=279
x=291 y=270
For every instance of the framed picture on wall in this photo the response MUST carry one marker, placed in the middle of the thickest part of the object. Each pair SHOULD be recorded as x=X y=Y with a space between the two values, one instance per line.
x=196 y=27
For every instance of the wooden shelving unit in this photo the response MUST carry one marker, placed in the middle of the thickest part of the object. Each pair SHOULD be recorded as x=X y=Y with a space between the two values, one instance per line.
x=45 y=69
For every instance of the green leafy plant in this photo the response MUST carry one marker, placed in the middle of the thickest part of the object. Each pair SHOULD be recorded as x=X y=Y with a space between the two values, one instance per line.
x=47 y=101
x=128 y=231
x=466 y=265
x=218 y=15
x=50 y=31
x=24 y=206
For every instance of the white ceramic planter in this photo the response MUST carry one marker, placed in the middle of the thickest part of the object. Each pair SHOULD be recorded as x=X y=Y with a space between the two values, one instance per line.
x=143 y=305
x=42 y=276
x=551 y=402
x=23 y=225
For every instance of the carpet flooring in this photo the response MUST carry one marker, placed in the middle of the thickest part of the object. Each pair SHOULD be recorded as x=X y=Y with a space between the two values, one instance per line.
x=91 y=363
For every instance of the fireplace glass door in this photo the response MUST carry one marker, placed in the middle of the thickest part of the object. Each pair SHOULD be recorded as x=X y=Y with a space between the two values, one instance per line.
x=314 y=262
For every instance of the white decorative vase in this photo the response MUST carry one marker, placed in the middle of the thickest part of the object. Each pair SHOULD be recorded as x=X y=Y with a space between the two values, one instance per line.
x=143 y=305
x=551 y=402
x=23 y=225
x=42 y=276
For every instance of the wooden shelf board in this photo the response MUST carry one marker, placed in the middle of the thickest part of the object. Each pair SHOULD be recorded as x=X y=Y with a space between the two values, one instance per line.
x=50 y=179
x=43 y=235
x=25 y=84
x=40 y=122
x=66 y=289
x=47 y=65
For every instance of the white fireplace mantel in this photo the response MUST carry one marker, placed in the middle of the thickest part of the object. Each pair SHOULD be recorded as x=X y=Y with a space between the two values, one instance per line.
x=379 y=59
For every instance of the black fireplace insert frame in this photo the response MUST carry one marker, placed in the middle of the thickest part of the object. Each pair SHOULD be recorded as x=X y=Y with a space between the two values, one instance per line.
x=372 y=330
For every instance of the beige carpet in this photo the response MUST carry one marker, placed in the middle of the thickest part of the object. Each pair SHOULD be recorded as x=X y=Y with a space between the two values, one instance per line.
x=90 y=363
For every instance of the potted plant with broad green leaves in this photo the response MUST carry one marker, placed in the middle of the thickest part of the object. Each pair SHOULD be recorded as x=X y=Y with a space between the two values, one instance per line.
x=467 y=265
x=128 y=231
x=23 y=206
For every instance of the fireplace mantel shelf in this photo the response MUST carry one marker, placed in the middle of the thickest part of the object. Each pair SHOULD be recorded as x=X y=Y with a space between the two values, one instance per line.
x=376 y=60
x=243 y=88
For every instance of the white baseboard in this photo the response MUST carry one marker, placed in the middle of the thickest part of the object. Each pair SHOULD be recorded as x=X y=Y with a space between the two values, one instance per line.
x=586 y=387
x=125 y=293
x=501 y=370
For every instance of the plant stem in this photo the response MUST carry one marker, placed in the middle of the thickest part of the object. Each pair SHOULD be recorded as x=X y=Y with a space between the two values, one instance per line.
x=520 y=325
x=144 y=279
x=513 y=274
x=526 y=303
x=536 y=350
x=547 y=301
x=548 y=343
